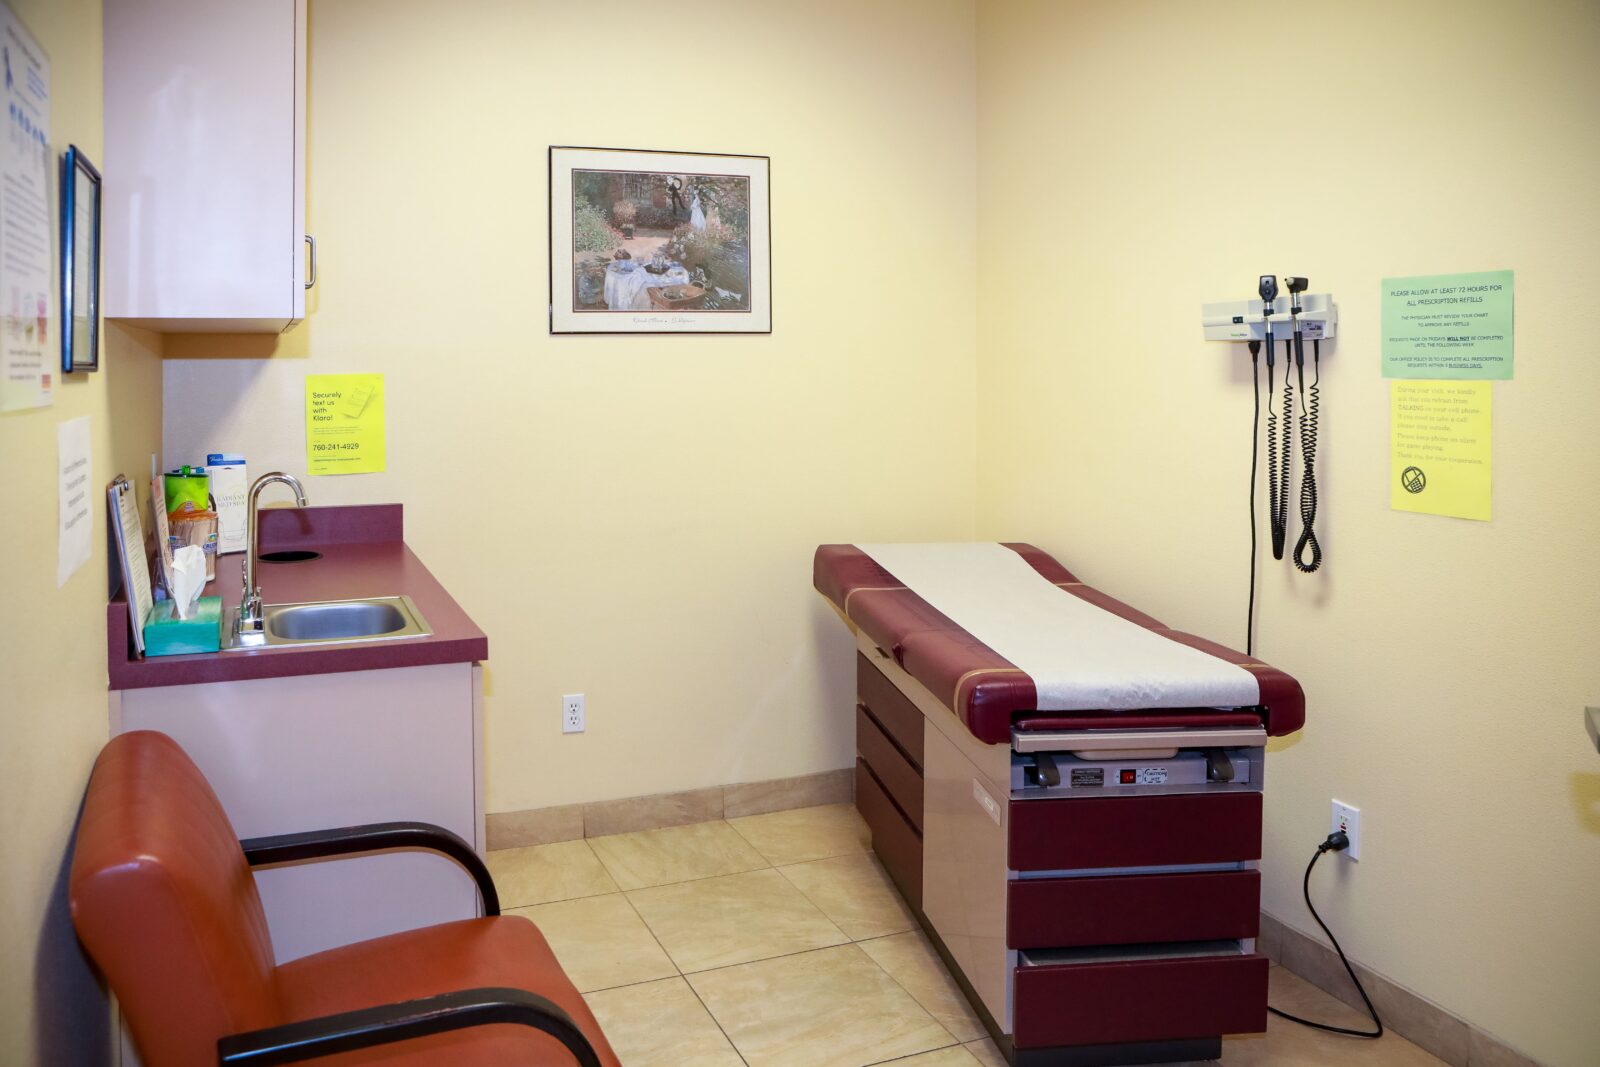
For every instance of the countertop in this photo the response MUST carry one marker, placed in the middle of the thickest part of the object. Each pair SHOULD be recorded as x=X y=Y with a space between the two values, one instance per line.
x=363 y=554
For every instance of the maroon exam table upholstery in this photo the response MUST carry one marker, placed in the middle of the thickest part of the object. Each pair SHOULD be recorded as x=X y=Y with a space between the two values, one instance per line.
x=986 y=691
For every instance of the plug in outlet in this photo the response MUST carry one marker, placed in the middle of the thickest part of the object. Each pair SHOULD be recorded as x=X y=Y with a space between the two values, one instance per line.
x=572 y=713
x=1348 y=819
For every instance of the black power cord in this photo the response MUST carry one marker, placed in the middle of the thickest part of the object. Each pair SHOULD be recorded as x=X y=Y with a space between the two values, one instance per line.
x=1336 y=842
x=1255 y=449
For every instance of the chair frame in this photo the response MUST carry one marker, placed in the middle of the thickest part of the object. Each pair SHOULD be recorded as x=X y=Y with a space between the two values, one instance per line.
x=388 y=1023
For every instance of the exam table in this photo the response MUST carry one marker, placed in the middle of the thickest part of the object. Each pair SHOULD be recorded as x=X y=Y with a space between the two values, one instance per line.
x=1069 y=795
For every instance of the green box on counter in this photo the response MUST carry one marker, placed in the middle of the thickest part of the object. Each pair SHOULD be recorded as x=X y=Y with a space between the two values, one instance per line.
x=167 y=635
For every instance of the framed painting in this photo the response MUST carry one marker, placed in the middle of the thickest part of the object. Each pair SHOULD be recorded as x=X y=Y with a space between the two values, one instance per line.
x=659 y=242
x=80 y=263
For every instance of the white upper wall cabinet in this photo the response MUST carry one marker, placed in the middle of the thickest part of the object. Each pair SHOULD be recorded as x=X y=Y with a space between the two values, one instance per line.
x=205 y=165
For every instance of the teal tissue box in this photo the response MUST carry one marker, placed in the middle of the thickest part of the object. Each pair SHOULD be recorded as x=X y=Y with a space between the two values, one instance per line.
x=167 y=635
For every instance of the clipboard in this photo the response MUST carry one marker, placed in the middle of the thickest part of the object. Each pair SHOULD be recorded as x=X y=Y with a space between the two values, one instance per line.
x=128 y=533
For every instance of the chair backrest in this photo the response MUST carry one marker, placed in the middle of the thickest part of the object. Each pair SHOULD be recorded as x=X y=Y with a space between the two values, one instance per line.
x=165 y=903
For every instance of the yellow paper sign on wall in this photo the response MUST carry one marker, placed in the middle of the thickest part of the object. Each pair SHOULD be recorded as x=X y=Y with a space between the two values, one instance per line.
x=1439 y=457
x=344 y=424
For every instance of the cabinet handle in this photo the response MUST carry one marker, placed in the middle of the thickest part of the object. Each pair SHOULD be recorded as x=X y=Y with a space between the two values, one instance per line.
x=311 y=278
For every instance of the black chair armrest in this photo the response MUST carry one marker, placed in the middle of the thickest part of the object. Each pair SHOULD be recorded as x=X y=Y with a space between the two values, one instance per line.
x=388 y=1023
x=373 y=837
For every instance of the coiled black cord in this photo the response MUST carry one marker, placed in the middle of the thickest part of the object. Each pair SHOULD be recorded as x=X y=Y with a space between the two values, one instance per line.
x=1277 y=498
x=1336 y=842
x=1309 y=402
x=1281 y=519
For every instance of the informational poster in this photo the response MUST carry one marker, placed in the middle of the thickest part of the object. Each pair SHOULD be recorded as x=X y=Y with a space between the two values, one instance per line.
x=29 y=347
x=73 y=478
x=344 y=424
x=1439 y=462
x=1455 y=326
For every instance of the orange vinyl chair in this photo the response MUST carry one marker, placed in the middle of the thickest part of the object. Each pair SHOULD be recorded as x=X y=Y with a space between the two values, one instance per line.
x=164 y=901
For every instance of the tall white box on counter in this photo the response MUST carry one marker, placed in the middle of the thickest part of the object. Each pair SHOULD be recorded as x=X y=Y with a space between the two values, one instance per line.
x=229 y=487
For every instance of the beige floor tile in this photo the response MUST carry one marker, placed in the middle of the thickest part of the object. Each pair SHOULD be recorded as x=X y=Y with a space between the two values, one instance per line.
x=802 y=834
x=540 y=874
x=954 y=1056
x=675 y=854
x=985 y=1053
x=855 y=893
x=600 y=941
x=829 y=1008
x=661 y=1024
x=911 y=961
x=1287 y=1044
x=737 y=918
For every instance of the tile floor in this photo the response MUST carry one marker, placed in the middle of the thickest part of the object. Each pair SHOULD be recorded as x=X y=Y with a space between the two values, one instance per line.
x=777 y=941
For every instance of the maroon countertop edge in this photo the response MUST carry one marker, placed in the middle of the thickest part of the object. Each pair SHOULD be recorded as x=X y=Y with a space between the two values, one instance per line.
x=363 y=554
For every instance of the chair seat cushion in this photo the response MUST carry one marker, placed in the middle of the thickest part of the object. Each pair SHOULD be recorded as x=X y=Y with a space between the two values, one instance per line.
x=472 y=953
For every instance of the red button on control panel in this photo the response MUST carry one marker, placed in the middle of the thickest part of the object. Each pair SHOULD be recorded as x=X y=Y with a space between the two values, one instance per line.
x=1126 y=776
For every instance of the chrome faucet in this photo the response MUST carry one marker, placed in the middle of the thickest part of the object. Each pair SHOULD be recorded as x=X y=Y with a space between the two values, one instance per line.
x=250 y=629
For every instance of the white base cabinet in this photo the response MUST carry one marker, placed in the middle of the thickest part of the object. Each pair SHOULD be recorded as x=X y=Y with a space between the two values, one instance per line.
x=315 y=752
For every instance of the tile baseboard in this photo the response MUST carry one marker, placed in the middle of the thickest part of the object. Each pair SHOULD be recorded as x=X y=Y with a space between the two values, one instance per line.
x=1409 y=1014
x=567 y=822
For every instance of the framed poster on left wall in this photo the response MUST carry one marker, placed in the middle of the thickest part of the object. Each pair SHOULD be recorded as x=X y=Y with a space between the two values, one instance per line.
x=80 y=263
x=659 y=242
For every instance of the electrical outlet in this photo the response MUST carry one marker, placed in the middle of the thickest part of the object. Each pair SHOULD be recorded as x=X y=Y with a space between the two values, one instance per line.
x=572 y=713
x=1348 y=819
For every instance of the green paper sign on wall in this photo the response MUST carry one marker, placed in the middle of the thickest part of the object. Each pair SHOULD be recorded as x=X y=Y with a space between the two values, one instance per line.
x=1448 y=326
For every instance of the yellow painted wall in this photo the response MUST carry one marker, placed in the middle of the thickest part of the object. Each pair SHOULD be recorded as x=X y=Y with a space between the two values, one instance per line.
x=52 y=641
x=634 y=517
x=1123 y=182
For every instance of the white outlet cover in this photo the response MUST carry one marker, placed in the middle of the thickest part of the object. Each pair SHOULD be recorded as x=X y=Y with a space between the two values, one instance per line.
x=1347 y=817
x=572 y=713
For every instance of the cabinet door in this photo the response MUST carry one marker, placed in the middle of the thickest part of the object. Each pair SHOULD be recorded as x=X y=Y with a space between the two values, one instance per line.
x=286 y=755
x=204 y=190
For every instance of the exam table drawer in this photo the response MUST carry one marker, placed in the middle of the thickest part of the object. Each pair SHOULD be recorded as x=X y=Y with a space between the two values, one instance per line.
x=894 y=772
x=1079 y=833
x=1127 y=909
x=1103 y=1003
x=896 y=841
x=900 y=719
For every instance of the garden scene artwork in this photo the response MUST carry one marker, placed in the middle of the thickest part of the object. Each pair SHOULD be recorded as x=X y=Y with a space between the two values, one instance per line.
x=668 y=249
x=668 y=241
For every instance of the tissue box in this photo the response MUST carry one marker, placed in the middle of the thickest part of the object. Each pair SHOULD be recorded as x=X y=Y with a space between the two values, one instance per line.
x=167 y=635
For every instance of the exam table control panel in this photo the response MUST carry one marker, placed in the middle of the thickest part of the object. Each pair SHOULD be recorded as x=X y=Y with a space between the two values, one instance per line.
x=1091 y=876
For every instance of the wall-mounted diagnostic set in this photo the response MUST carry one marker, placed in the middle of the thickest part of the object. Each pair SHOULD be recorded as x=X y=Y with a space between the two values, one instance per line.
x=1293 y=317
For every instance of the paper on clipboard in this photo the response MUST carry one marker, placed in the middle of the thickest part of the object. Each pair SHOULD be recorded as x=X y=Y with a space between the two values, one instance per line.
x=128 y=533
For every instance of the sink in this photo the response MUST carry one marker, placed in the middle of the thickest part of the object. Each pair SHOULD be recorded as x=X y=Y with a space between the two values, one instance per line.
x=339 y=622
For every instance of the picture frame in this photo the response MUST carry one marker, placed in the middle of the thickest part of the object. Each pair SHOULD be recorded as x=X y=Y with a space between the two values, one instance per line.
x=651 y=241
x=80 y=263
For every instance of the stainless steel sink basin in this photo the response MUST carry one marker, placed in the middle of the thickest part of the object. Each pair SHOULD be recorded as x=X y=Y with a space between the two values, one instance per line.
x=339 y=622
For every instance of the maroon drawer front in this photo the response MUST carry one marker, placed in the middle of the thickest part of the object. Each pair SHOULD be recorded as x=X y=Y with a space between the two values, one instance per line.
x=1133 y=909
x=1143 y=1000
x=1075 y=833
x=895 y=840
x=900 y=718
x=894 y=772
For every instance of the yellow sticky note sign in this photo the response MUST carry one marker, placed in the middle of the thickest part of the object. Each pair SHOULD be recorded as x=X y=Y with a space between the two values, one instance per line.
x=344 y=424
x=1439 y=456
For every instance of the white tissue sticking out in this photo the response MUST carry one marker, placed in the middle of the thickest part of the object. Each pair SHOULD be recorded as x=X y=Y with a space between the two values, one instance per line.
x=188 y=578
